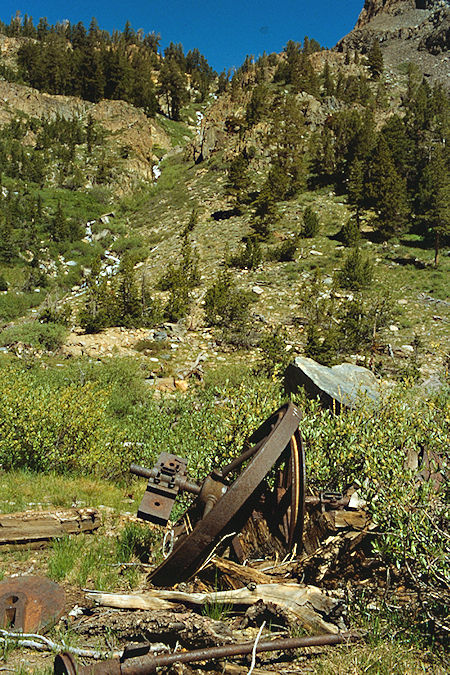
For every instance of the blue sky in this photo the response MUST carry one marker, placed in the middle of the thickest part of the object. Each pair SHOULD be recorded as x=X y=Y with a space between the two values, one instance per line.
x=224 y=31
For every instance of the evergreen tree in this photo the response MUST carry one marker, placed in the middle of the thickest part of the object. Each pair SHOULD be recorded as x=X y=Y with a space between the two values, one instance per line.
x=257 y=106
x=90 y=134
x=433 y=199
x=225 y=305
x=118 y=74
x=192 y=222
x=356 y=272
x=174 y=52
x=311 y=225
x=58 y=226
x=129 y=307
x=323 y=163
x=173 y=85
x=350 y=234
x=251 y=257
x=265 y=214
x=223 y=82
x=387 y=190
x=400 y=144
x=285 y=136
x=327 y=80
x=238 y=180
x=7 y=247
x=355 y=187
x=375 y=60
x=142 y=90
x=91 y=76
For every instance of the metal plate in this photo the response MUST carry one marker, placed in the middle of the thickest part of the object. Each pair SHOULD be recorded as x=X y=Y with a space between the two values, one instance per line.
x=30 y=604
x=189 y=554
x=162 y=489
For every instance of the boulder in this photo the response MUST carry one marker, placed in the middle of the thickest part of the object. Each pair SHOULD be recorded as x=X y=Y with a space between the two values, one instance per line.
x=337 y=387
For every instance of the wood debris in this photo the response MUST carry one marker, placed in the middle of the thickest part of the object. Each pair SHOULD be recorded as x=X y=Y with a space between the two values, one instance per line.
x=35 y=529
x=307 y=603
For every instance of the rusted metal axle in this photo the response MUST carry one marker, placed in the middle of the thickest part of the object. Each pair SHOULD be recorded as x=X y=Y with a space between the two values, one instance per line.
x=142 y=664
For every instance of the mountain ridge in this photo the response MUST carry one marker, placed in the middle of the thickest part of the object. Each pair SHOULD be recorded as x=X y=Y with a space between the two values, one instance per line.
x=416 y=31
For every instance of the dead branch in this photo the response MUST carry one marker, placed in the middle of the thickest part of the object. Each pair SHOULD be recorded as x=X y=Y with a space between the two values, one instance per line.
x=307 y=603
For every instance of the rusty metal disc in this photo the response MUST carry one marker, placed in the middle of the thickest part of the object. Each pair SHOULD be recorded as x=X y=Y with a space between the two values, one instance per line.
x=30 y=604
x=230 y=511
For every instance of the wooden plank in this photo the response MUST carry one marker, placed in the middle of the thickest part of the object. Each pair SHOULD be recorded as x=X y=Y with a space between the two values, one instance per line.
x=35 y=528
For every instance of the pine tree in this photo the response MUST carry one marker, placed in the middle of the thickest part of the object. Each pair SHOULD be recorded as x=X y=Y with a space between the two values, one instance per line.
x=356 y=272
x=173 y=85
x=58 y=227
x=257 y=105
x=91 y=76
x=226 y=305
x=90 y=134
x=387 y=191
x=265 y=214
x=311 y=225
x=375 y=61
x=7 y=247
x=355 y=187
x=285 y=136
x=433 y=199
x=400 y=144
x=327 y=80
x=238 y=180
x=129 y=308
x=143 y=91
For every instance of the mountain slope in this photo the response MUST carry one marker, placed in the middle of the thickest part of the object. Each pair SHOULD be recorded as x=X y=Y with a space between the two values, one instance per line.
x=416 y=31
x=125 y=125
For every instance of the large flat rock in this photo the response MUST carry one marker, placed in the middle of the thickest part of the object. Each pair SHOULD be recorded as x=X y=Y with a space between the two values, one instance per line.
x=337 y=387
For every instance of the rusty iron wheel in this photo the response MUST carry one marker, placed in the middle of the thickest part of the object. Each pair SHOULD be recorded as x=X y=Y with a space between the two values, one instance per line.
x=30 y=604
x=277 y=436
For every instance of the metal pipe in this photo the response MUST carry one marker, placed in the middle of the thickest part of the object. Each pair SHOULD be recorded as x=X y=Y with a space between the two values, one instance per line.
x=143 y=471
x=143 y=665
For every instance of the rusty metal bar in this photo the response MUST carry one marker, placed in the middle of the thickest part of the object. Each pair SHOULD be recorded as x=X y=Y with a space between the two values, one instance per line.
x=142 y=665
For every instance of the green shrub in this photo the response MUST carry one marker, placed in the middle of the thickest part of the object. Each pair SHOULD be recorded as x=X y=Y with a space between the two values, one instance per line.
x=49 y=336
x=57 y=315
x=311 y=225
x=3 y=283
x=274 y=357
x=13 y=305
x=57 y=428
x=356 y=272
x=225 y=304
x=350 y=234
x=368 y=447
x=250 y=257
x=285 y=252
x=323 y=346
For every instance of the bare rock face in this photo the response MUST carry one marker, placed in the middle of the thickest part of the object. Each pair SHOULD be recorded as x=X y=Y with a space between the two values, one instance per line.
x=374 y=7
x=416 y=31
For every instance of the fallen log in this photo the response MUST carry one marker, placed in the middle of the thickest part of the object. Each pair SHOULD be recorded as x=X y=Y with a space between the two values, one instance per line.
x=189 y=629
x=307 y=603
x=35 y=529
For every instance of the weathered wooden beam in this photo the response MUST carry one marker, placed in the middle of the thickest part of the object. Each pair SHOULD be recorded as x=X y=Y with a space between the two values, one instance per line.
x=35 y=529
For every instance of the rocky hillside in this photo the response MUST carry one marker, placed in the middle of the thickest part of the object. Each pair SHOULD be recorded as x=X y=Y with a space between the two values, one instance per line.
x=128 y=130
x=416 y=31
x=290 y=137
